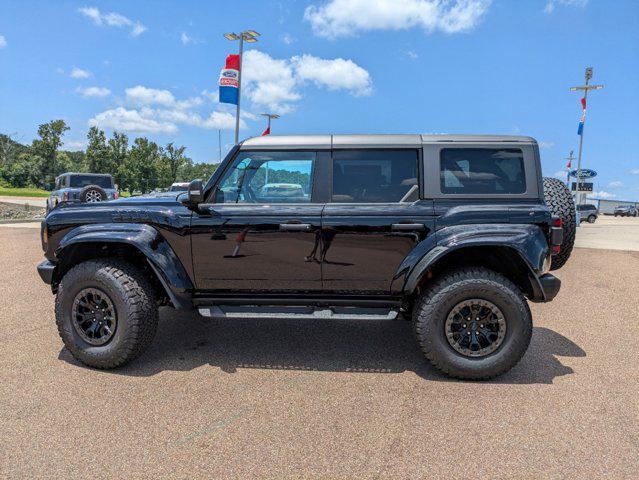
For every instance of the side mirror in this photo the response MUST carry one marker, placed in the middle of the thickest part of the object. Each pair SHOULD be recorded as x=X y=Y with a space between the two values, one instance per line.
x=195 y=195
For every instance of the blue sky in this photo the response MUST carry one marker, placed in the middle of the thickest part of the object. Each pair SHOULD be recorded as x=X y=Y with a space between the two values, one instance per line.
x=360 y=66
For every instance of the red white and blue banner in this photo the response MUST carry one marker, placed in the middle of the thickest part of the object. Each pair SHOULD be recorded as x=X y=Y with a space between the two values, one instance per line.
x=229 y=80
x=580 y=129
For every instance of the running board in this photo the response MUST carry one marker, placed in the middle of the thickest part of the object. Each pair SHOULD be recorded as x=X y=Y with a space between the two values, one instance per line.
x=298 y=313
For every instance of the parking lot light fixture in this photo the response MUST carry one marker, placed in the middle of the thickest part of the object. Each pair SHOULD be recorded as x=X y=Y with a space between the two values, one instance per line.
x=249 y=36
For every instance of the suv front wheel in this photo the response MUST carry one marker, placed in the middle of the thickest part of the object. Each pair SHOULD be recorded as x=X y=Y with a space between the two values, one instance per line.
x=106 y=312
x=473 y=324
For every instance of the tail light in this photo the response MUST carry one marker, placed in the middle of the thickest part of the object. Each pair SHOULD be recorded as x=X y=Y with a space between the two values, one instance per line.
x=65 y=196
x=556 y=235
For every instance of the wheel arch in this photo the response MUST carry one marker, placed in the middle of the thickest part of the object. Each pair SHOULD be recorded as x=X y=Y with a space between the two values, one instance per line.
x=504 y=259
x=140 y=245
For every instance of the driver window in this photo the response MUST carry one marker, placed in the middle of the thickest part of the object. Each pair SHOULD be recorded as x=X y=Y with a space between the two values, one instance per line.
x=268 y=177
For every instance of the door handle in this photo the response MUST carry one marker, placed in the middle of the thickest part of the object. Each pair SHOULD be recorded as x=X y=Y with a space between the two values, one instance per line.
x=295 y=227
x=408 y=227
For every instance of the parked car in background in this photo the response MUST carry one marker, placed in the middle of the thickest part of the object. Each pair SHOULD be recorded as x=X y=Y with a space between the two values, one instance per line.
x=588 y=212
x=82 y=187
x=173 y=191
x=625 y=211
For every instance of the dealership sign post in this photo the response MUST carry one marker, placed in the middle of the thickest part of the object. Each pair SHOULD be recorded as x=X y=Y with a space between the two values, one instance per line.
x=231 y=76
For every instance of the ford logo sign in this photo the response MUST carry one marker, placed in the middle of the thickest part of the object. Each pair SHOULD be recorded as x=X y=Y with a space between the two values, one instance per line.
x=229 y=74
x=583 y=173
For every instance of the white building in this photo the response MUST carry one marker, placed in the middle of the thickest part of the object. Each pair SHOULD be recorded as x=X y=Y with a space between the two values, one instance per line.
x=607 y=206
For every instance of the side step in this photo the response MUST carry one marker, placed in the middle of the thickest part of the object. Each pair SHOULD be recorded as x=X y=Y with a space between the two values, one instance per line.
x=301 y=313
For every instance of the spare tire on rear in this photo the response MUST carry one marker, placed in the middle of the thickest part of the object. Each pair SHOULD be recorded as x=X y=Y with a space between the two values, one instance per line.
x=93 y=193
x=562 y=205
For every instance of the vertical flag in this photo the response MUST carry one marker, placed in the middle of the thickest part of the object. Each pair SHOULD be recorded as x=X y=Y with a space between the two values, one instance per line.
x=229 y=79
x=580 y=129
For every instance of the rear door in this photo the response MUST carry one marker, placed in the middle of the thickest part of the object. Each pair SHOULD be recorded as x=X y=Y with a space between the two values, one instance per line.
x=374 y=219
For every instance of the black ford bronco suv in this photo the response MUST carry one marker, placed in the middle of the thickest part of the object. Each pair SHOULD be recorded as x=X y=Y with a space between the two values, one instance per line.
x=454 y=232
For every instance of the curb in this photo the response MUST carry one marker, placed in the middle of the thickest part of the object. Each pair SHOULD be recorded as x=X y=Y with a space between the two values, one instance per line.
x=23 y=220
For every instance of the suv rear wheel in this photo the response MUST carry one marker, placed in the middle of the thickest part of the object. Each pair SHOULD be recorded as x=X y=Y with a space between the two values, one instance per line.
x=106 y=313
x=473 y=324
x=561 y=204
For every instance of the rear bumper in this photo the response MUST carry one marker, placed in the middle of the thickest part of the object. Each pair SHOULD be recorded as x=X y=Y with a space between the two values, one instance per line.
x=46 y=270
x=550 y=286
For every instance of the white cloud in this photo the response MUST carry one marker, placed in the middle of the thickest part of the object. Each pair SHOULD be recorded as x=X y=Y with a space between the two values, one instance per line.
x=185 y=39
x=268 y=81
x=412 y=54
x=79 y=73
x=276 y=83
x=634 y=171
x=602 y=194
x=153 y=110
x=124 y=120
x=112 y=19
x=3 y=41
x=342 y=18
x=546 y=144
x=288 y=39
x=551 y=4
x=337 y=74
x=75 y=145
x=615 y=184
x=140 y=95
x=560 y=174
x=90 y=92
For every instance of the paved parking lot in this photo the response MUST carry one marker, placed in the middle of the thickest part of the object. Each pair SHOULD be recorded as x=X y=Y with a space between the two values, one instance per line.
x=279 y=398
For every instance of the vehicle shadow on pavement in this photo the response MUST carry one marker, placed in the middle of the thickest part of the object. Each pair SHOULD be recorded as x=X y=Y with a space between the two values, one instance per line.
x=186 y=341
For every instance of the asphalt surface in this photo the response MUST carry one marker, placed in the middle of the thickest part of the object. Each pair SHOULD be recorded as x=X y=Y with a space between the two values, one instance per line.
x=278 y=398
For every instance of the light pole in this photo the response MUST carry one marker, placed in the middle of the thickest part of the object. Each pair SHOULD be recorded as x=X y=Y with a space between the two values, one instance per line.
x=249 y=36
x=268 y=132
x=270 y=116
x=586 y=88
x=570 y=158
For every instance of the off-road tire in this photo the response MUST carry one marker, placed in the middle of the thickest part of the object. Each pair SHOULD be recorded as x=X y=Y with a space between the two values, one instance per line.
x=592 y=219
x=93 y=191
x=561 y=204
x=437 y=301
x=135 y=304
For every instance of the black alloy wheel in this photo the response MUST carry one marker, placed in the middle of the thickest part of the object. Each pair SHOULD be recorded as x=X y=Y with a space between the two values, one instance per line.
x=94 y=316
x=475 y=327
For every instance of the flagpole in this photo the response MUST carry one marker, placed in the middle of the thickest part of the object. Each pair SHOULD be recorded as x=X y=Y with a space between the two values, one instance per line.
x=585 y=88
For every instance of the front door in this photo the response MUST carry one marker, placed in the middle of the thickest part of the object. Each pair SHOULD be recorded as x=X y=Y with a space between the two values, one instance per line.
x=374 y=220
x=262 y=227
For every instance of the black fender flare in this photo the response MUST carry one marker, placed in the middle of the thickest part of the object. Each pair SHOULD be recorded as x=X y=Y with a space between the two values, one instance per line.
x=528 y=242
x=148 y=241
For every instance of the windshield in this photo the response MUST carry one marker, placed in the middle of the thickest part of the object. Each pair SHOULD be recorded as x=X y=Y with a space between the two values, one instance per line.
x=81 y=181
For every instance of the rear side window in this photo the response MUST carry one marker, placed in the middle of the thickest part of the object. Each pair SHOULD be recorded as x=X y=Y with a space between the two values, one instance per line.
x=482 y=171
x=375 y=176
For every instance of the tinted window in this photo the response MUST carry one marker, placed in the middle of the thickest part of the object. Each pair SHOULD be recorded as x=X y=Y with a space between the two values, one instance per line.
x=268 y=177
x=482 y=171
x=375 y=176
x=586 y=207
x=81 y=181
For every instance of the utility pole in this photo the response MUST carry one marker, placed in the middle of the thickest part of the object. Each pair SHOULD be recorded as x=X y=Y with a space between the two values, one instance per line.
x=570 y=158
x=249 y=36
x=219 y=142
x=586 y=88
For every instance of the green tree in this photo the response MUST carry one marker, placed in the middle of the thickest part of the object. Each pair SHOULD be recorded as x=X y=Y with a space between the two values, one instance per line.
x=46 y=148
x=175 y=158
x=141 y=171
x=97 y=154
x=119 y=154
